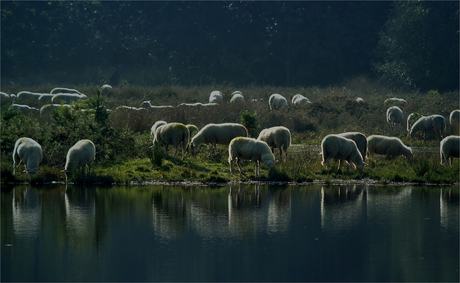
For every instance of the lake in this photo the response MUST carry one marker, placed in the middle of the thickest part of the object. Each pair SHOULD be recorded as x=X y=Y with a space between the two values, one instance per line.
x=233 y=233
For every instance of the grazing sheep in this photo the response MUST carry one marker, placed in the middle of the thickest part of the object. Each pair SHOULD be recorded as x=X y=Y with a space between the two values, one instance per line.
x=437 y=123
x=67 y=97
x=80 y=155
x=172 y=134
x=359 y=139
x=277 y=137
x=216 y=97
x=25 y=109
x=29 y=152
x=454 y=118
x=359 y=100
x=46 y=109
x=27 y=96
x=192 y=129
x=148 y=106
x=243 y=148
x=237 y=97
x=106 y=87
x=218 y=134
x=449 y=148
x=194 y=106
x=299 y=99
x=340 y=148
x=395 y=100
x=57 y=90
x=277 y=101
x=46 y=98
x=130 y=109
x=155 y=127
x=394 y=115
x=389 y=146
x=411 y=119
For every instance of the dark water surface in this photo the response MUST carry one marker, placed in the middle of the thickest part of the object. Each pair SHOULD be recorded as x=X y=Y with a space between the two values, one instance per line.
x=239 y=233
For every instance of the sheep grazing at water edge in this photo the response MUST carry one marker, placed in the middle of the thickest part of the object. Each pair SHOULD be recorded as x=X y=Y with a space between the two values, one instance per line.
x=340 y=148
x=242 y=148
x=394 y=115
x=29 y=152
x=172 y=134
x=388 y=146
x=218 y=134
x=277 y=101
x=79 y=156
x=277 y=137
x=425 y=124
x=360 y=140
x=449 y=148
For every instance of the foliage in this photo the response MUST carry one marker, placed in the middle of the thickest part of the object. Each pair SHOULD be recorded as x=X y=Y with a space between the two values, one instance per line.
x=249 y=120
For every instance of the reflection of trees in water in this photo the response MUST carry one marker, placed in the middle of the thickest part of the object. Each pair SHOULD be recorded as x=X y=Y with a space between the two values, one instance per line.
x=449 y=201
x=342 y=207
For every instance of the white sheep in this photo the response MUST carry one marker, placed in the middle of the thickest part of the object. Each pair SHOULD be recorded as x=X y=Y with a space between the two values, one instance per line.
x=237 y=97
x=129 y=109
x=389 y=146
x=80 y=155
x=395 y=100
x=46 y=98
x=277 y=137
x=454 y=118
x=25 y=109
x=437 y=123
x=340 y=148
x=194 y=106
x=277 y=101
x=218 y=134
x=155 y=127
x=299 y=99
x=172 y=134
x=67 y=97
x=360 y=140
x=45 y=110
x=106 y=87
x=27 y=96
x=360 y=100
x=147 y=105
x=29 y=152
x=216 y=97
x=243 y=148
x=449 y=148
x=192 y=129
x=394 y=115
x=411 y=119
x=57 y=90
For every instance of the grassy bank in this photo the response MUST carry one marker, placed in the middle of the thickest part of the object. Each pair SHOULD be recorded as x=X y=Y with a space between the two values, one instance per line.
x=123 y=139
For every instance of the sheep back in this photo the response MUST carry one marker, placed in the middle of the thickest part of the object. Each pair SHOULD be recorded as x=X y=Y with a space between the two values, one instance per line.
x=340 y=148
x=216 y=97
x=29 y=152
x=394 y=115
x=279 y=137
x=389 y=146
x=277 y=101
x=454 y=118
x=299 y=99
x=449 y=147
x=219 y=133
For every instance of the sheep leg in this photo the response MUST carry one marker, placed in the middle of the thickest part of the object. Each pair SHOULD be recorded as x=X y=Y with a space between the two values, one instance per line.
x=175 y=152
x=166 y=150
x=231 y=165
x=239 y=166
x=255 y=168
x=210 y=151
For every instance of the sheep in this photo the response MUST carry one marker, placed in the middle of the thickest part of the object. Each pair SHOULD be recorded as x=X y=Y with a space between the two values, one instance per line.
x=27 y=95
x=46 y=109
x=25 y=109
x=148 y=106
x=130 y=109
x=106 y=87
x=454 y=118
x=192 y=129
x=208 y=105
x=29 y=152
x=57 y=90
x=428 y=123
x=277 y=101
x=394 y=115
x=389 y=146
x=80 y=155
x=216 y=97
x=338 y=147
x=218 y=134
x=46 y=98
x=155 y=127
x=395 y=100
x=449 y=148
x=67 y=97
x=196 y=105
x=237 y=97
x=276 y=137
x=172 y=134
x=411 y=119
x=359 y=100
x=299 y=99
x=359 y=139
x=243 y=148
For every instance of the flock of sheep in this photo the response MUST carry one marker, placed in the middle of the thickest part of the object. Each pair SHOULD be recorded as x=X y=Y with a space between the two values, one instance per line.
x=351 y=147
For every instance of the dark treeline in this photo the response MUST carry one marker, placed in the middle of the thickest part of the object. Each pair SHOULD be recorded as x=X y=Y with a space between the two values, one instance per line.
x=291 y=43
